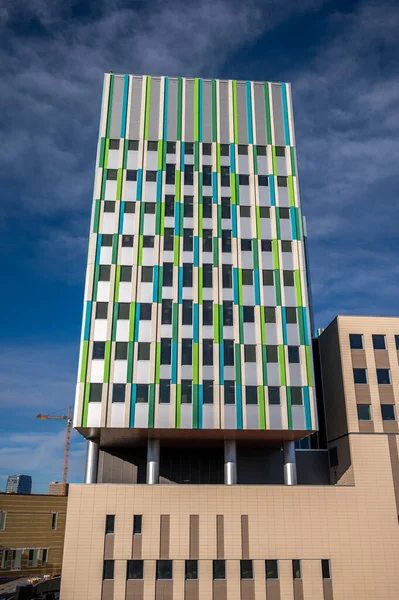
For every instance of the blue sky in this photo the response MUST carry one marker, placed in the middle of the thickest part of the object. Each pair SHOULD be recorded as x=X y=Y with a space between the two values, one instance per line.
x=341 y=58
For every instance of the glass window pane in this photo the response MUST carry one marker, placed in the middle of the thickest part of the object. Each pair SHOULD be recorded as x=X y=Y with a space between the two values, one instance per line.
x=388 y=412
x=379 y=342
x=219 y=569
x=135 y=569
x=364 y=412
x=383 y=376
x=191 y=569
x=246 y=570
x=164 y=569
x=271 y=569
x=356 y=341
x=360 y=375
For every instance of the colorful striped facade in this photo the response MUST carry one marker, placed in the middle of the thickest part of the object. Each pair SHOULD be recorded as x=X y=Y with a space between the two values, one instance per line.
x=196 y=310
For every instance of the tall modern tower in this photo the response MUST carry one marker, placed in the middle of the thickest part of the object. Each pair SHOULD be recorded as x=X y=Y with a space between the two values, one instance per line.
x=19 y=484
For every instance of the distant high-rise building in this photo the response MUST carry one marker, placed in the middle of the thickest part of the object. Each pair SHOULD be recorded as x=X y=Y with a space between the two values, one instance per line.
x=19 y=484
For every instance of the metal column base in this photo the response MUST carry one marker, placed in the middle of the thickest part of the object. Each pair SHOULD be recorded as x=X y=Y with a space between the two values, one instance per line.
x=230 y=462
x=289 y=463
x=152 y=462
x=92 y=461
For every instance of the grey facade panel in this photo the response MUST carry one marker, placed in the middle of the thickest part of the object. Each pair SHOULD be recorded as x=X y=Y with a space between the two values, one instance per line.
x=172 y=109
x=242 y=113
x=279 y=138
x=207 y=111
x=298 y=417
x=153 y=121
x=224 y=112
x=135 y=109
x=189 y=112
x=260 y=114
x=116 y=114
x=276 y=421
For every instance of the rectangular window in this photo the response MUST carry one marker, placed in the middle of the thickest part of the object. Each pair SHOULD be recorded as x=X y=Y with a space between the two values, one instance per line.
x=225 y=176
x=168 y=238
x=169 y=205
x=170 y=147
x=206 y=175
x=33 y=557
x=146 y=274
x=187 y=312
x=266 y=245
x=264 y=212
x=290 y=314
x=261 y=150
x=166 y=351
x=249 y=314
x=379 y=342
x=296 y=569
x=121 y=350
x=110 y=524
x=247 y=277
x=270 y=314
x=133 y=145
x=54 y=520
x=44 y=557
x=207 y=207
x=164 y=569
x=137 y=524
x=397 y=342
x=363 y=412
x=356 y=341
x=242 y=150
x=112 y=174
x=360 y=375
x=207 y=352
x=219 y=569
x=207 y=240
x=96 y=390
x=144 y=351
x=272 y=354
x=249 y=353
x=296 y=396
x=251 y=394
x=187 y=351
x=118 y=392
x=106 y=240
x=167 y=275
x=186 y=391
x=188 y=206
x=280 y=151
x=227 y=276
x=114 y=144
x=130 y=208
x=383 y=376
x=164 y=391
x=293 y=354
x=274 y=395
x=228 y=312
x=388 y=412
x=126 y=273
x=268 y=277
x=246 y=245
x=124 y=310
x=207 y=391
x=226 y=207
x=263 y=180
x=104 y=273
x=131 y=175
x=284 y=213
x=224 y=150
x=282 y=181
x=325 y=568
x=207 y=149
x=108 y=569
x=145 y=311
x=149 y=208
x=151 y=176
x=152 y=146
x=207 y=312
x=189 y=149
x=142 y=393
x=170 y=174
x=135 y=569
x=288 y=278
x=229 y=353
x=226 y=241
x=271 y=569
x=188 y=174
x=286 y=246
x=101 y=310
x=166 y=316
x=98 y=351
x=3 y=517
x=191 y=569
x=229 y=392
x=243 y=179
x=207 y=273
x=148 y=241
x=246 y=570
x=188 y=239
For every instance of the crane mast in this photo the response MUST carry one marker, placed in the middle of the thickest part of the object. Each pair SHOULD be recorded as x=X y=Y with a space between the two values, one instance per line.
x=68 y=419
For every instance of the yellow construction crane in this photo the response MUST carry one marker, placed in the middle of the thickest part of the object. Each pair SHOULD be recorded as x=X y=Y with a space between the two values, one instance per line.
x=68 y=419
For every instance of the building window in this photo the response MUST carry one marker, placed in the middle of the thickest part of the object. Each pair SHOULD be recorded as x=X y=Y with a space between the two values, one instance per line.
x=144 y=351
x=169 y=205
x=167 y=276
x=188 y=148
x=145 y=311
x=130 y=208
x=191 y=569
x=126 y=273
x=207 y=391
x=226 y=207
x=388 y=412
x=219 y=569
x=166 y=315
x=356 y=341
x=288 y=278
x=151 y=176
x=101 y=310
x=270 y=314
x=108 y=569
x=229 y=392
x=168 y=238
x=207 y=352
x=226 y=240
x=264 y=212
x=187 y=318
x=142 y=393
x=246 y=569
x=229 y=353
x=188 y=174
x=227 y=312
x=186 y=391
x=224 y=150
x=271 y=354
x=149 y=208
x=186 y=351
x=207 y=207
x=44 y=557
x=164 y=569
x=286 y=246
x=263 y=180
x=98 y=350
x=123 y=310
x=251 y=394
x=133 y=145
x=243 y=179
x=54 y=520
x=146 y=274
x=227 y=276
x=148 y=241
x=137 y=524
x=152 y=146
x=268 y=277
x=271 y=569
x=188 y=206
x=247 y=277
x=296 y=396
x=112 y=174
x=206 y=175
x=383 y=376
x=166 y=351
x=3 y=517
x=106 y=240
x=118 y=392
x=274 y=395
x=379 y=342
x=207 y=240
x=360 y=375
x=164 y=391
x=397 y=342
x=96 y=390
x=188 y=240
x=131 y=175
x=284 y=213
x=104 y=273
x=114 y=144
x=261 y=150
x=293 y=354
x=296 y=569
x=225 y=176
x=242 y=150
x=249 y=353
x=33 y=557
x=121 y=350
x=207 y=149
x=170 y=147
x=266 y=245
x=326 y=568
x=207 y=276
x=280 y=151
x=110 y=524
x=249 y=314
x=170 y=176
x=282 y=181
x=135 y=569
x=246 y=245
x=364 y=412
x=207 y=312
x=290 y=314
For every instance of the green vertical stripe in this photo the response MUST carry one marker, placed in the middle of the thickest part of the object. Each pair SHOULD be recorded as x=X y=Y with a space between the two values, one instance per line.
x=157 y=361
x=267 y=110
x=293 y=167
x=291 y=193
x=262 y=325
x=130 y=351
x=277 y=216
x=117 y=282
x=214 y=112
x=261 y=400
x=255 y=158
x=160 y=154
x=147 y=107
x=277 y=285
x=125 y=153
x=264 y=364
x=178 y=405
x=115 y=239
x=177 y=186
x=235 y=118
x=218 y=158
x=196 y=157
x=195 y=362
x=83 y=367
x=151 y=406
x=179 y=106
x=103 y=183
x=131 y=321
x=107 y=360
x=102 y=153
x=215 y=252
x=275 y=254
x=175 y=322
x=274 y=160
x=85 y=404
x=237 y=351
x=176 y=244
x=95 y=282
x=298 y=295
x=96 y=219
x=281 y=360
x=289 y=408
x=241 y=323
x=114 y=321
x=111 y=93
x=308 y=366
x=255 y=251
x=106 y=153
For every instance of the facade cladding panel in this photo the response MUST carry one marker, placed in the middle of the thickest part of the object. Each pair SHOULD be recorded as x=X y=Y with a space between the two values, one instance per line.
x=191 y=139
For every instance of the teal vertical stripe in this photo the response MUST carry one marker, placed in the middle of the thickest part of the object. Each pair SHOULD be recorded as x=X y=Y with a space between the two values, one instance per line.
x=272 y=191
x=124 y=105
x=132 y=405
x=155 y=284
x=98 y=249
x=239 y=406
x=284 y=324
x=137 y=322
x=249 y=112
x=87 y=320
x=121 y=214
x=306 y=401
x=285 y=114
x=139 y=184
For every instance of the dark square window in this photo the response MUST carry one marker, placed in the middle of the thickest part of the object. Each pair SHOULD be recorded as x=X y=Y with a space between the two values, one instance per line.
x=282 y=181
x=188 y=206
x=127 y=241
x=251 y=394
x=146 y=274
x=106 y=240
x=286 y=246
x=261 y=150
x=296 y=396
x=264 y=212
x=108 y=569
x=135 y=569
x=356 y=341
x=397 y=342
x=170 y=175
x=148 y=241
x=388 y=412
x=206 y=175
x=187 y=351
x=379 y=342
x=270 y=314
x=101 y=310
x=164 y=391
x=284 y=213
x=226 y=207
x=144 y=351
x=188 y=174
x=243 y=179
x=296 y=569
x=225 y=176
x=274 y=395
x=164 y=569
x=224 y=150
x=123 y=310
x=207 y=207
x=280 y=151
x=187 y=275
x=126 y=273
x=118 y=392
x=133 y=145
x=191 y=569
x=293 y=354
x=96 y=390
x=98 y=350
x=137 y=524
x=271 y=569
x=168 y=238
x=263 y=180
x=227 y=312
x=170 y=147
x=246 y=245
x=245 y=211
x=166 y=351
x=266 y=245
x=166 y=317
x=363 y=412
x=109 y=524
x=169 y=205
x=131 y=175
x=112 y=174
x=207 y=391
x=207 y=149
x=242 y=149
x=207 y=275
x=130 y=208
x=187 y=318
x=188 y=148
x=142 y=392
x=149 y=208
x=290 y=314
x=360 y=375
x=109 y=206
x=229 y=353
x=167 y=275
x=227 y=276
x=383 y=376
x=219 y=569
x=268 y=277
x=207 y=312
x=152 y=146
x=207 y=240
x=249 y=314
x=325 y=568
x=151 y=176
x=249 y=353
x=188 y=239
x=207 y=352
x=186 y=391
x=226 y=240
x=246 y=570
x=121 y=350
x=271 y=354
x=229 y=392
x=104 y=273
x=145 y=311
x=288 y=278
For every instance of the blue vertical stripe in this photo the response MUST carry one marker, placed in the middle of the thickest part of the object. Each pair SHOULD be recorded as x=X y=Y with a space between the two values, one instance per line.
x=196 y=324
x=249 y=113
x=234 y=220
x=232 y=159
x=239 y=406
x=180 y=285
x=87 y=320
x=177 y=217
x=293 y=223
x=133 y=405
x=305 y=324
x=272 y=191
x=159 y=186
x=196 y=251
x=121 y=215
x=137 y=322
x=256 y=282
x=235 y=285
x=306 y=401
x=285 y=114
x=284 y=324
x=182 y=156
x=139 y=184
x=124 y=105
x=165 y=109
x=174 y=362
x=221 y=364
x=214 y=188
x=155 y=284
x=98 y=249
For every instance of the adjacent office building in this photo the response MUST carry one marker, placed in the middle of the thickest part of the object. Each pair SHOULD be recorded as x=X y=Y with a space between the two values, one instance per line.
x=207 y=473
x=19 y=484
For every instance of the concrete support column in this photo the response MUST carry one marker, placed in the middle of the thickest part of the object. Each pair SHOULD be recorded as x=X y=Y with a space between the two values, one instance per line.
x=152 y=462
x=92 y=461
x=289 y=463
x=230 y=462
